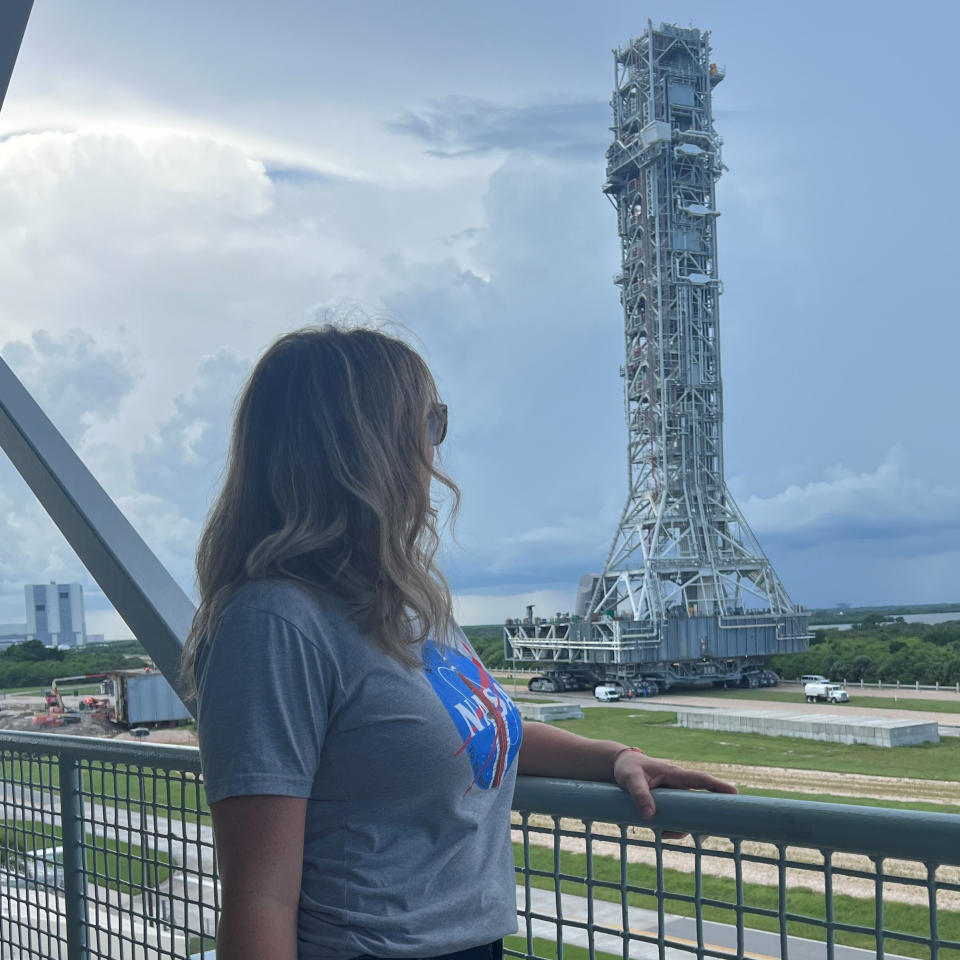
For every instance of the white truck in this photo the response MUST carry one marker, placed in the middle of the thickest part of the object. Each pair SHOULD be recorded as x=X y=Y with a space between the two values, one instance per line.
x=825 y=690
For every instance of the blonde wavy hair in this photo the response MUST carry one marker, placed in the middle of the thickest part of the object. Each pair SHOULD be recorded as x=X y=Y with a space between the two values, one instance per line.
x=328 y=485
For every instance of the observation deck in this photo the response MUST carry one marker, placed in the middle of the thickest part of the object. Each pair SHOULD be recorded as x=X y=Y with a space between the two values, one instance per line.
x=108 y=853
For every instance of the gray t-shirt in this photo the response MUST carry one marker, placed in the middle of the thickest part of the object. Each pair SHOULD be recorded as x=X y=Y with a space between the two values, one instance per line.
x=409 y=772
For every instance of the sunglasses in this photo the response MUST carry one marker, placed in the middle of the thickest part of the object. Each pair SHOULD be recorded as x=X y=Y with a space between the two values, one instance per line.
x=437 y=423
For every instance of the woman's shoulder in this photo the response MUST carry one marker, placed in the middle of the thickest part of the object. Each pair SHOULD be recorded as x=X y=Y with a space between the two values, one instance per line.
x=313 y=612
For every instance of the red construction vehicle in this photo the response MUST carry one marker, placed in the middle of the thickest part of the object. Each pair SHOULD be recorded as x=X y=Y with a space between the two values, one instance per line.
x=130 y=697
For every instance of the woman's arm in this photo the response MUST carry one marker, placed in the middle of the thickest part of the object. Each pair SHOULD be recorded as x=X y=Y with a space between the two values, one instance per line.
x=547 y=751
x=259 y=843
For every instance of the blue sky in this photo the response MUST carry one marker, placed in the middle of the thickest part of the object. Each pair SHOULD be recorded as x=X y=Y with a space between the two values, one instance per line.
x=181 y=182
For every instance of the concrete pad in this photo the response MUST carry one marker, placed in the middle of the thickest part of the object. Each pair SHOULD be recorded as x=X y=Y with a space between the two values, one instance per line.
x=828 y=727
x=548 y=712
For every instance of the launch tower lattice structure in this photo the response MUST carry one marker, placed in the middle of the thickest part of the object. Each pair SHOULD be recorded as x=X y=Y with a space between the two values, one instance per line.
x=685 y=577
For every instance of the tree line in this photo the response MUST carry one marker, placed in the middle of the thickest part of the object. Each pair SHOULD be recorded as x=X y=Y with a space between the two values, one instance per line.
x=31 y=664
x=876 y=651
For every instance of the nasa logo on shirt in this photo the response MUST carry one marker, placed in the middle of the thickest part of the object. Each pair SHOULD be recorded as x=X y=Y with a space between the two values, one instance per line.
x=485 y=717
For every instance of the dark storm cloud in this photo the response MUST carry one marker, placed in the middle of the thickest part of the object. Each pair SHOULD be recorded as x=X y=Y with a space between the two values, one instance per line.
x=465 y=126
x=298 y=176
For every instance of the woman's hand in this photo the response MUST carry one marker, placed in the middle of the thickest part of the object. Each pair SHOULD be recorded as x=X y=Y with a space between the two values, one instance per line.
x=639 y=774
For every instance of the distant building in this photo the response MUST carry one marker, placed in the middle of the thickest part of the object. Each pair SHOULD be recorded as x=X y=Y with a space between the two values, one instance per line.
x=55 y=614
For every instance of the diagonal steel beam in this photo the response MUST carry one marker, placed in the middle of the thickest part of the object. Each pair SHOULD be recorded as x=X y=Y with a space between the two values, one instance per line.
x=13 y=21
x=127 y=570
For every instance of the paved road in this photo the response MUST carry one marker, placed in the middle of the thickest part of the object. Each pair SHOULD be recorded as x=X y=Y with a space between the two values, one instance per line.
x=949 y=723
x=40 y=913
x=757 y=944
x=905 y=693
x=801 y=706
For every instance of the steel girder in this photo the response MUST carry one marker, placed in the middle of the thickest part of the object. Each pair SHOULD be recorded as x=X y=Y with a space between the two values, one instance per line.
x=14 y=15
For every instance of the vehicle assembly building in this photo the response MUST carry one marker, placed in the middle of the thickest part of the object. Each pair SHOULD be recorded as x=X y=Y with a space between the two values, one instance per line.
x=686 y=594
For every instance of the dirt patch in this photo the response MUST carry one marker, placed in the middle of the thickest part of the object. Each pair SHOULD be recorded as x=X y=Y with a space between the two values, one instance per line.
x=22 y=720
x=838 y=784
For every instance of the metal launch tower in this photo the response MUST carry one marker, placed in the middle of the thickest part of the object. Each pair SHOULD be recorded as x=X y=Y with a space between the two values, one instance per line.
x=686 y=592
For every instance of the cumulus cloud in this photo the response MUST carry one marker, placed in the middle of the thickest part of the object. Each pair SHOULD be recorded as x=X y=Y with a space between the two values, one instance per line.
x=75 y=380
x=182 y=456
x=889 y=503
x=527 y=357
x=141 y=271
x=153 y=237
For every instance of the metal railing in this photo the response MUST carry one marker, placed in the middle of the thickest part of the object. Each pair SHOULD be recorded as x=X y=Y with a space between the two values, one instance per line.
x=107 y=851
x=896 y=685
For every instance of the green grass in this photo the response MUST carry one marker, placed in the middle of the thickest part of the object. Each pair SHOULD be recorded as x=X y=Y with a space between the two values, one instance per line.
x=548 y=949
x=109 y=862
x=170 y=795
x=784 y=696
x=899 y=917
x=200 y=945
x=855 y=801
x=652 y=731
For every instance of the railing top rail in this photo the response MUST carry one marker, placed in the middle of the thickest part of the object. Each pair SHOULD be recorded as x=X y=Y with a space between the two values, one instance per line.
x=162 y=756
x=872 y=831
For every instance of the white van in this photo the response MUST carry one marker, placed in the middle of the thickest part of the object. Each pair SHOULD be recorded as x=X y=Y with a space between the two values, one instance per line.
x=606 y=693
x=813 y=678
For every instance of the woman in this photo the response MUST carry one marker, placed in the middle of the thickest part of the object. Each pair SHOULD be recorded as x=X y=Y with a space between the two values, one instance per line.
x=358 y=759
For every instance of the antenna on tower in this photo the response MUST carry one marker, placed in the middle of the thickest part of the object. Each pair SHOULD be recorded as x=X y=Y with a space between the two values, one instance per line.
x=686 y=593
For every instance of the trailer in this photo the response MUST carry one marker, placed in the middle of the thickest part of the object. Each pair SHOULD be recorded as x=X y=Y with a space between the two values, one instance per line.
x=131 y=697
